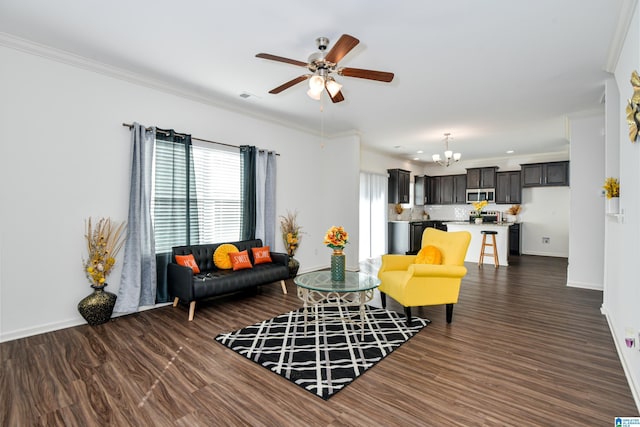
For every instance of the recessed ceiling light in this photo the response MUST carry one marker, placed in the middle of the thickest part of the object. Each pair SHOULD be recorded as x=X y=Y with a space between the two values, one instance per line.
x=419 y=152
x=509 y=151
x=397 y=146
x=416 y=158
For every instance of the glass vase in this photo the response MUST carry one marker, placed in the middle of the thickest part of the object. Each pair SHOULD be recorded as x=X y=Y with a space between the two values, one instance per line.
x=338 y=265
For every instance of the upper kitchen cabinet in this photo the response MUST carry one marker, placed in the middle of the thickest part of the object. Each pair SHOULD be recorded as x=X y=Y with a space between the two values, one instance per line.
x=453 y=189
x=508 y=187
x=545 y=174
x=399 y=181
x=420 y=190
x=481 y=177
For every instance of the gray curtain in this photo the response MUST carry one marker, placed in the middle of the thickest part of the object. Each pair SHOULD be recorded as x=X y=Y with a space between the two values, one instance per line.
x=266 y=197
x=248 y=155
x=138 y=279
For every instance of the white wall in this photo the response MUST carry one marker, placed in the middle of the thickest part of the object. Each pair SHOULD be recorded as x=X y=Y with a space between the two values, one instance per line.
x=586 y=231
x=65 y=156
x=622 y=293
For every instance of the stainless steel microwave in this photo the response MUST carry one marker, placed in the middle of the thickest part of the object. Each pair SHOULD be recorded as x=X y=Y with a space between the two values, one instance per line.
x=478 y=195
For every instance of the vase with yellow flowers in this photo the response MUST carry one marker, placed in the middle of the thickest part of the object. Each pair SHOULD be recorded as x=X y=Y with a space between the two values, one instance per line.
x=477 y=207
x=337 y=238
x=104 y=241
x=291 y=235
x=612 y=192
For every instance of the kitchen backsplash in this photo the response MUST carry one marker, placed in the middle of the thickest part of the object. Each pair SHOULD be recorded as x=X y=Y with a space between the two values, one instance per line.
x=441 y=212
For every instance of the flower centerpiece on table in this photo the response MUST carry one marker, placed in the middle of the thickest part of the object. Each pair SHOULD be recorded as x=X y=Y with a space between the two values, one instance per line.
x=103 y=244
x=336 y=238
x=611 y=187
x=291 y=232
x=478 y=206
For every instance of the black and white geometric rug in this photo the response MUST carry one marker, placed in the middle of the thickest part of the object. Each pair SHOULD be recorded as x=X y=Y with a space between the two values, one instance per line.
x=333 y=352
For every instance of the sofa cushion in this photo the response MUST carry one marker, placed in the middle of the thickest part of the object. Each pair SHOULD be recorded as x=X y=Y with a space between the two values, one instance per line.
x=221 y=256
x=188 y=261
x=240 y=260
x=261 y=255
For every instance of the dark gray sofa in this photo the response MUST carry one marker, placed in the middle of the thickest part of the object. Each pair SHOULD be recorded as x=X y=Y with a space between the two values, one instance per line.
x=211 y=281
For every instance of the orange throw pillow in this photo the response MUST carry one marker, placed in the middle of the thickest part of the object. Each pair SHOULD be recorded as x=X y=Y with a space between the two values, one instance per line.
x=240 y=260
x=429 y=255
x=188 y=261
x=221 y=256
x=261 y=255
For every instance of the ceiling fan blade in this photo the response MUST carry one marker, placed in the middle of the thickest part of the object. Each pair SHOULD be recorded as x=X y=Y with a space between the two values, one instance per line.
x=290 y=83
x=343 y=46
x=381 y=76
x=281 y=59
x=337 y=98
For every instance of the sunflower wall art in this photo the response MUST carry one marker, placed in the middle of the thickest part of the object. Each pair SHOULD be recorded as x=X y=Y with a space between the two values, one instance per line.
x=633 y=116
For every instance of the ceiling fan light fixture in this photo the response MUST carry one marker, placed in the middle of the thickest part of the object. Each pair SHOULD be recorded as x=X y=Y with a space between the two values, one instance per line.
x=333 y=87
x=314 y=95
x=448 y=154
x=316 y=83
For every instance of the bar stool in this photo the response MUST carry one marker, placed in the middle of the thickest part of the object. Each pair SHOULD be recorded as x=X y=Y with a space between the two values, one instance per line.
x=494 y=254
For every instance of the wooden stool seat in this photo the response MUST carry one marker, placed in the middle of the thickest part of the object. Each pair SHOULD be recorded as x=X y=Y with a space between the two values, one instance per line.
x=494 y=252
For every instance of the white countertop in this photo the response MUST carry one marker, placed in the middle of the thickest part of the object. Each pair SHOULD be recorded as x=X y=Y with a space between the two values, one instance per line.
x=482 y=224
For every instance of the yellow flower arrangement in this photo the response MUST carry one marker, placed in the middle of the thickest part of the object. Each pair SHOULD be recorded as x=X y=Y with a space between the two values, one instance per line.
x=611 y=187
x=103 y=244
x=478 y=206
x=291 y=232
x=336 y=238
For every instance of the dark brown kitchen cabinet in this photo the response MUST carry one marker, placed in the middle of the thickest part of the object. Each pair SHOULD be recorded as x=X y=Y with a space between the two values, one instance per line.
x=481 y=177
x=545 y=174
x=435 y=195
x=416 y=229
x=514 y=239
x=420 y=190
x=508 y=187
x=399 y=181
x=459 y=189
x=446 y=189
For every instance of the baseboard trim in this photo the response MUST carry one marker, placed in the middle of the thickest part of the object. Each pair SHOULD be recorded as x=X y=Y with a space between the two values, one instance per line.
x=635 y=391
x=55 y=326
x=585 y=285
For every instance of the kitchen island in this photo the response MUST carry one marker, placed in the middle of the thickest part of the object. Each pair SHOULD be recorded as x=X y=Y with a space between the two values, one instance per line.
x=473 y=253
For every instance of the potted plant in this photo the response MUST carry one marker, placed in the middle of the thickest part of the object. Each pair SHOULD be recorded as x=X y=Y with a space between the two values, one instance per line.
x=104 y=241
x=612 y=192
x=291 y=235
x=478 y=206
x=337 y=238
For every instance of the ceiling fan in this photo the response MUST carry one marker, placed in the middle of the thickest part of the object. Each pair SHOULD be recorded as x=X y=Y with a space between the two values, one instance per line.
x=324 y=65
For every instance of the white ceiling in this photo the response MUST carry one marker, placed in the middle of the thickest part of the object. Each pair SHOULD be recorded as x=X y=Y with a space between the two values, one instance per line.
x=498 y=74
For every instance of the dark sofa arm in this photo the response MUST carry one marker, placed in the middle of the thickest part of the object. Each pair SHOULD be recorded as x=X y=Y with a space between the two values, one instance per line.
x=180 y=281
x=280 y=258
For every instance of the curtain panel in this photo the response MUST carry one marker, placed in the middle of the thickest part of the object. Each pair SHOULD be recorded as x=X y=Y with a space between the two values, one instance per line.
x=138 y=278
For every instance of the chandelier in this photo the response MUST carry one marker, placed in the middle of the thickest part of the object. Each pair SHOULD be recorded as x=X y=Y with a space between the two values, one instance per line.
x=449 y=156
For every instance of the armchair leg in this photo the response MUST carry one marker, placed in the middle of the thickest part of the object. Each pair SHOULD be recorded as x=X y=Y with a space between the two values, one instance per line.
x=284 y=287
x=449 y=312
x=383 y=299
x=176 y=300
x=407 y=311
x=192 y=310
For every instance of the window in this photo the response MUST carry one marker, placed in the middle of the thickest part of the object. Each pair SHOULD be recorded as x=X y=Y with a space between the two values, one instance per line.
x=195 y=201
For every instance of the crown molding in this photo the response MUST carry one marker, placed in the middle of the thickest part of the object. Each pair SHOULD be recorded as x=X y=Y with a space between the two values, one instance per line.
x=67 y=58
x=627 y=10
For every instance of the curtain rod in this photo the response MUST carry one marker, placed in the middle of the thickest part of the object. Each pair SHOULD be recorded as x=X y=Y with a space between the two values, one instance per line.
x=129 y=125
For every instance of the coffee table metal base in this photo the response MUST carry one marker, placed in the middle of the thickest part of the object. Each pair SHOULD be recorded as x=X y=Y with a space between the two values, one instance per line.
x=314 y=298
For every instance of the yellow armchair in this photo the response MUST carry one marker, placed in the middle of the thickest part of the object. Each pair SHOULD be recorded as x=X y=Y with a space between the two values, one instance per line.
x=415 y=285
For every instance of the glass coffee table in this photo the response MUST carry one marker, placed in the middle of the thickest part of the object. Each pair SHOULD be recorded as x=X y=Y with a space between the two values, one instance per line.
x=317 y=288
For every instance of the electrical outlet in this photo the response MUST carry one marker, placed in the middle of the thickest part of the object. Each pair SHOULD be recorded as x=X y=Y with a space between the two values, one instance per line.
x=546 y=240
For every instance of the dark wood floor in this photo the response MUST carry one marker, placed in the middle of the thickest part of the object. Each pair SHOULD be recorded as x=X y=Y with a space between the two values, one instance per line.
x=523 y=349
